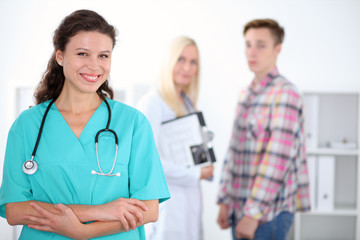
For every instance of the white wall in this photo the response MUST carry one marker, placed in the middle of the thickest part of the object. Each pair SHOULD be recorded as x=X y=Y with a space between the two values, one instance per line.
x=321 y=52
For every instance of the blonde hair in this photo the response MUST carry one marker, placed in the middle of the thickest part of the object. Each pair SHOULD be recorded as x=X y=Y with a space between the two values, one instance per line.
x=166 y=80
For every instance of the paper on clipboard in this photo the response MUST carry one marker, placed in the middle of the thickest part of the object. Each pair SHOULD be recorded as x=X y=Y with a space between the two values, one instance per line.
x=187 y=141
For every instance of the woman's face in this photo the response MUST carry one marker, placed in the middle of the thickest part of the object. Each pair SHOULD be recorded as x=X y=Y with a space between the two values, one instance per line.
x=186 y=68
x=86 y=61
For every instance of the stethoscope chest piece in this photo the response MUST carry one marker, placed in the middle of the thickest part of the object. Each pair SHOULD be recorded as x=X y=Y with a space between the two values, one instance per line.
x=30 y=167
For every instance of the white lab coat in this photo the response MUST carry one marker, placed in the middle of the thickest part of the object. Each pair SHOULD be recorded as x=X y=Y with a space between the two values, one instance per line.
x=180 y=216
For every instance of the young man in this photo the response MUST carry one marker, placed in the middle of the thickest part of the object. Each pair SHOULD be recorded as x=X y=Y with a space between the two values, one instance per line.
x=265 y=178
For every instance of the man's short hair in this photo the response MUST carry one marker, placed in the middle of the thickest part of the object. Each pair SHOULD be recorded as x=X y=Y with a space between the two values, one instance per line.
x=276 y=30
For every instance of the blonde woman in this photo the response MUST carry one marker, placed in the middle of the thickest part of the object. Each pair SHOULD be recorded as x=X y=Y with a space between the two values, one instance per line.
x=176 y=95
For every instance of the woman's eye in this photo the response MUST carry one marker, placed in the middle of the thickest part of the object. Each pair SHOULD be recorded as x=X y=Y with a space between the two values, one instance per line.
x=82 y=54
x=181 y=59
x=193 y=62
x=104 y=56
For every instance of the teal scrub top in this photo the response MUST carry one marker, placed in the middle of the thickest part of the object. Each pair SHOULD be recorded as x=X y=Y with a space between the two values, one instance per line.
x=65 y=163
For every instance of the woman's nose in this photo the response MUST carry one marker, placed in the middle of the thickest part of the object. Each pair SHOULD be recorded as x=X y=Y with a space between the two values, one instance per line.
x=93 y=63
x=186 y=66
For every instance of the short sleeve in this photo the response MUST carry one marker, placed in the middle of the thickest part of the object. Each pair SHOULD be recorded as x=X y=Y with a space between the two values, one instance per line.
x=146 y=175
x=15 y=185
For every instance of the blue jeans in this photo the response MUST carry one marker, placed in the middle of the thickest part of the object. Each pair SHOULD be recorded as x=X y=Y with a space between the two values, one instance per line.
x=277 y=229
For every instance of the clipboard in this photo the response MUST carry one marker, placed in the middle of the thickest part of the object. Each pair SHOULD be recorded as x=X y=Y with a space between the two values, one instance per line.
x=187 y=141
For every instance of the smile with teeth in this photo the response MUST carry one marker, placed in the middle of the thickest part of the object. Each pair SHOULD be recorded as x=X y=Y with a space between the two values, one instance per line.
x=90 y=77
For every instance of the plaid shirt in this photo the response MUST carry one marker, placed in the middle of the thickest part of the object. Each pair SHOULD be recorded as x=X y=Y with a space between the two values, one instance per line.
x=265 y=169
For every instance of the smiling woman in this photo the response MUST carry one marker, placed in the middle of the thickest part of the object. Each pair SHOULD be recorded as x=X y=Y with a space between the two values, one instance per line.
x=86 y=61
x=58 y=190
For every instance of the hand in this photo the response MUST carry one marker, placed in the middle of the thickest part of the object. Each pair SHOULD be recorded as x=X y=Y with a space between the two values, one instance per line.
x=64 y=223
x=223 y=217
x=207 y=172
x=246 y=227
x=124 y=210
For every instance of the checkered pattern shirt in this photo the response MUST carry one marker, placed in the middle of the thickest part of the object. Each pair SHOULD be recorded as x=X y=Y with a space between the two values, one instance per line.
x=265 y=169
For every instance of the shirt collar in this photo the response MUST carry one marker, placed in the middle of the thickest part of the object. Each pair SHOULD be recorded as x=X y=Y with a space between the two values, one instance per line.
x=257 y=88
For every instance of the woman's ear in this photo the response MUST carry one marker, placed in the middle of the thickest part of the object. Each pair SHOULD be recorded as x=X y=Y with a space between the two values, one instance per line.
x=59 y=57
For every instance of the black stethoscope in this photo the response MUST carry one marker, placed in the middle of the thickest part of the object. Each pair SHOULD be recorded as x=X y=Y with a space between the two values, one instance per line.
x=30 y=166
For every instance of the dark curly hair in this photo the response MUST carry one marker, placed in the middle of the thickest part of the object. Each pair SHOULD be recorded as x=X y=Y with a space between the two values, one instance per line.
x=53 y=79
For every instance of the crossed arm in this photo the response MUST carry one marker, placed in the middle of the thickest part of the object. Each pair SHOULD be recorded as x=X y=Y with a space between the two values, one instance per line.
x=106 y=219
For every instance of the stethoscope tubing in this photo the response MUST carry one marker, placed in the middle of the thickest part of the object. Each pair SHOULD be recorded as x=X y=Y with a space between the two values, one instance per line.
x=106 y=130
x=33 y=165
x=98 y=162
x=41 y=129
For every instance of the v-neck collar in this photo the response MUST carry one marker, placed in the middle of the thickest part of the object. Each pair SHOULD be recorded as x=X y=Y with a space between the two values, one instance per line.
x=88 y=125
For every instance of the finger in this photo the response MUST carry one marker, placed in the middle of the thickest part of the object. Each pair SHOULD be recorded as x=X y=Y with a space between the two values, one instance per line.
x=124 y=223
x=61 y=207
x=224 y=225
x=138 y=214
x=219 y=221
x=41 y=210
x=242 y=234
x=140 y=217
x=131 y=220
x=41 y=228
x=238 y=231
x=221 y=224
x=138 y=203
x=36 y=220
x=64 y=209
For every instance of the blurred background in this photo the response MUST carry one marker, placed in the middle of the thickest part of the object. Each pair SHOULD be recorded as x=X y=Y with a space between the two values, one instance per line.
x=321 y=53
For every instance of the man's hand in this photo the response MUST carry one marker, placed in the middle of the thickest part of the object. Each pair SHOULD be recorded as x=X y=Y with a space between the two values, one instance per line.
x=246 y=228
x=223 y=217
